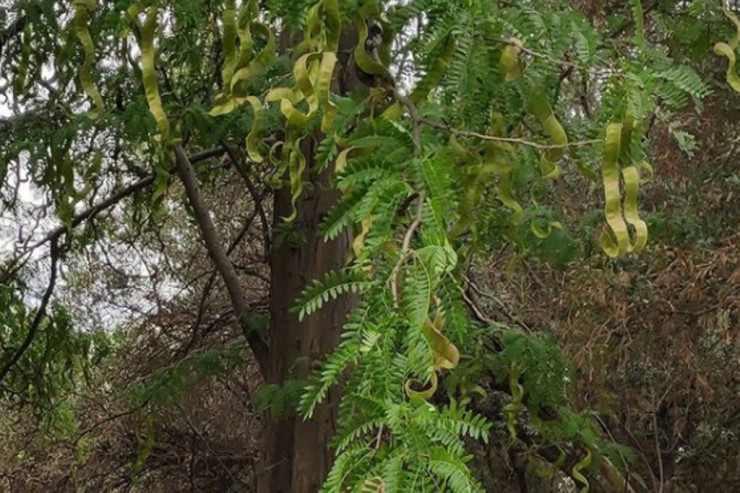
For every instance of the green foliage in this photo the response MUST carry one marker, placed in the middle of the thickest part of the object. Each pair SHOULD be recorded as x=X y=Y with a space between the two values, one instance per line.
x=279 y=400
x=56 y=361
x=168 y=385
x=330 y=287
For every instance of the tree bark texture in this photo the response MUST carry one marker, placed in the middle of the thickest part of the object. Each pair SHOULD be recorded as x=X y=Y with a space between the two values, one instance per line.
x=296 y=456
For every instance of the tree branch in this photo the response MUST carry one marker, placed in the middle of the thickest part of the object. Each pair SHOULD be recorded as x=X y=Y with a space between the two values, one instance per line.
x=38 y=318
x=218 y=255
x=96 y=209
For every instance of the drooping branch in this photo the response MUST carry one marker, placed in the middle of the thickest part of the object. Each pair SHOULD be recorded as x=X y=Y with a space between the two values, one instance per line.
x=218 y=255
x=93 y=211
x=38 y=318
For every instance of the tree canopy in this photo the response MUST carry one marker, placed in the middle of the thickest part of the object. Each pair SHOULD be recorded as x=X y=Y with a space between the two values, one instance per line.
x=311 y=202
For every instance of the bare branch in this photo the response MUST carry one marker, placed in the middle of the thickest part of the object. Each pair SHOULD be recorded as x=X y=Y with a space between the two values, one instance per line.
x=218 y=255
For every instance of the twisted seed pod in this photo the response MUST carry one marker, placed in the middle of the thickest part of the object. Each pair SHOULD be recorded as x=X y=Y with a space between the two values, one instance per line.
x=728 y=50
x=149 y=76
x=82 y=7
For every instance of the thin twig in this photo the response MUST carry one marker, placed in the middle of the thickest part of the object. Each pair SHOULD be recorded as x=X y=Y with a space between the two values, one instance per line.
x=510 y=140
x=406 y=248
x=418 y=149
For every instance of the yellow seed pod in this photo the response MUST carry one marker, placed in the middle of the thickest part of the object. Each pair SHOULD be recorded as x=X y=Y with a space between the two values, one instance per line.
x=728 y=50
x=149 y=76
x=540 y=108
x=509 y=64
x=82 y=8
x=616 y=241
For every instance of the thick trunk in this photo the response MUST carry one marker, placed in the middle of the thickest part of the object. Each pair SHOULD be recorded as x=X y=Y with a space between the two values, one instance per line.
x=296 y=455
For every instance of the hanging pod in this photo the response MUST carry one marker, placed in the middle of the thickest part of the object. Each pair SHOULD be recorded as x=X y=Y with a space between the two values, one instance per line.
x=509 y=64
x=445 y=355
x=538 y=106
x=228 y=42
x=254 y=138
x=364 y=61
x=82 y=9
x=496 y=161
x=578 y=467
x=148 y=74
x=728 y=50
x=261 y=60
x=616 y=241
x=312 y=74
x=240 y=66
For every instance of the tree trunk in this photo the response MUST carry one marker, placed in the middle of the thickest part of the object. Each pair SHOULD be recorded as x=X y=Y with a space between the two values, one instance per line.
x=296 y=455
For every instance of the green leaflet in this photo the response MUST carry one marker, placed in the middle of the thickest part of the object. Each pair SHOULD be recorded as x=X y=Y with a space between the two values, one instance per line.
x=728 y=50
x=149 y=75
x=540 y=108
x=618 y=242
x=427 y=83
x=19 y=82
x=639 y=15
x=83 y=34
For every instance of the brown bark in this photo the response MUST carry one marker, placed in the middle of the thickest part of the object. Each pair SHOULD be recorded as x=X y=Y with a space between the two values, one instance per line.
x=219 y=257
x=296 y=455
